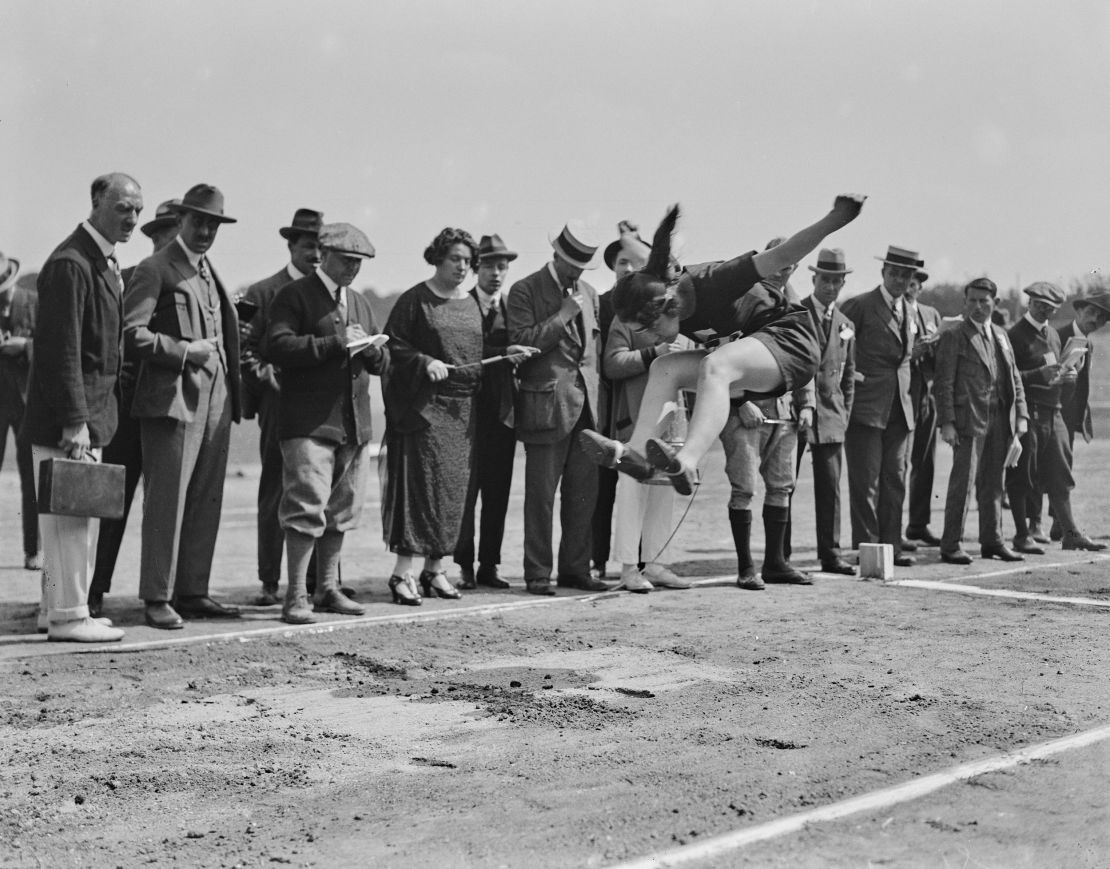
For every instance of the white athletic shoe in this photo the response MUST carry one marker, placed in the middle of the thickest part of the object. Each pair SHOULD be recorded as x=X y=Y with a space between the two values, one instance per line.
x=633 y=580
x=664 y=577
x=84 y=630
x=42 y=623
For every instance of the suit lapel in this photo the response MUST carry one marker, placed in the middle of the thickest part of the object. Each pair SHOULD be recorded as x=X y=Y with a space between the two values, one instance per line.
x=887 y=315
x=807 y=303
x=977 y=341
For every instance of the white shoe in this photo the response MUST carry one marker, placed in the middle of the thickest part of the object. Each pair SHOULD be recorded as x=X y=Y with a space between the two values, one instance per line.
x=664 y=577
x=42 y=623
x=84 y=630
x=633 y=580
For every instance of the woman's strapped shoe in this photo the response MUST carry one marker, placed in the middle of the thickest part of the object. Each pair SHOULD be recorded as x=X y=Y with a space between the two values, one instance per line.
x=665 y=457
x=403 y=589
x=436 y=582
x=605 y=452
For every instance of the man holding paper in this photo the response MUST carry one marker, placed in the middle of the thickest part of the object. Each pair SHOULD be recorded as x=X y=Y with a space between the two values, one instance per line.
x=980 y=406
x=1045 y=462
x=322 y=335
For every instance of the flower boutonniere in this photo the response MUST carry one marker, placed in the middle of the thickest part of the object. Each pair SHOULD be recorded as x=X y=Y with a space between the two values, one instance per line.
x=847 y=333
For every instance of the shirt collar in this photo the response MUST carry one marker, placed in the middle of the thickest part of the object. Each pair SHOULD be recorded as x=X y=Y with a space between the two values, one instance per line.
x=294 y=273
x=821 y=310
x=330 y=285
x=890 y=300
x=193 y=256
x=1038 y=326
x=106 y=247
x=487 y=300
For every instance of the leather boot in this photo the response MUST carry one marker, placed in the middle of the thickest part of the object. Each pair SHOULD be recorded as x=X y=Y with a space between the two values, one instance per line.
x=298 y=550
x=1071 y=536
x=775 y=566
x=327 y=597
x=741 y=523
x=1023 y=541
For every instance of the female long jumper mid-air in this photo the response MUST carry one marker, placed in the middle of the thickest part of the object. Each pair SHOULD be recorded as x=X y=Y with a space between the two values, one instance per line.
x=777 y=350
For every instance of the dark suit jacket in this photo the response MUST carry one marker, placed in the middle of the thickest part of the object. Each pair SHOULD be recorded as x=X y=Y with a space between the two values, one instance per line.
x=259 y=375
x=963 y=384
x=162 y=315
x=562 y=381
x=22 y=314
x=1077 y=400
x=834 y=385
x=1030 y=350
x=78 y=345
x=923 y=369
x=498 y=390
x=320 y=381
x=882 y=361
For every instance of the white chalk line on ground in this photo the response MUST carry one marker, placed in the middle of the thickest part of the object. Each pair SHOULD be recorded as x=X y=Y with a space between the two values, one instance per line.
x=1000 y=592
x=869 y=802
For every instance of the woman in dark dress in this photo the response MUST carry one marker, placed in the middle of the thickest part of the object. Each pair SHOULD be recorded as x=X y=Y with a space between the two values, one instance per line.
x=435 y=346
x=775 y=353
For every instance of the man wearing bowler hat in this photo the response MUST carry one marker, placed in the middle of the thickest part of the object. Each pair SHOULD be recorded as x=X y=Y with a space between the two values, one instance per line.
x=261 y=392
x=1045 y=463
x=126 y=447
x=833 y=391
x=323 y=415
x=876 y=445
x=183 y=333
x=556 y=312
x=491 y=474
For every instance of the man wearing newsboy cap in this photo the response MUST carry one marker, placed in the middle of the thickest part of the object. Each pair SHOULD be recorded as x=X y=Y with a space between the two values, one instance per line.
x=182 y=331
x=318 y=334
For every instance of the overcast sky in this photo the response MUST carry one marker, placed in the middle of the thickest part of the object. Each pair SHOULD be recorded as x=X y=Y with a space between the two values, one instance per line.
x=979 y=130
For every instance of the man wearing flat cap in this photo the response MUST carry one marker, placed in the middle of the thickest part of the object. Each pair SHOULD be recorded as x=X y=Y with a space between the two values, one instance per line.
x=491 y=474
x=318 y=334
x=1045 y=463
x=183 y=333
x=876 y=446
x=556 y=312
x=126 y=447
x=261 y=392
x=980 y=405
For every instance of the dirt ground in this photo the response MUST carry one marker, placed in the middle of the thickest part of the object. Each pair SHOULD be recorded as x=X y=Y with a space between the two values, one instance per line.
x=589 y=730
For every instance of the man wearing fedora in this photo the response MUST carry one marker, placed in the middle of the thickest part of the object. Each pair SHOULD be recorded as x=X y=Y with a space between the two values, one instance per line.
x=491 y=474
x=183 y=333
x=1045 y=463
x=323 y=415
x=833 y=390
x=980 y=405
x=556 y=312
x=18 y=311
x=925 y=324
x=876 y=444
x=72 y=406
x=261 y=392
x=126 y=447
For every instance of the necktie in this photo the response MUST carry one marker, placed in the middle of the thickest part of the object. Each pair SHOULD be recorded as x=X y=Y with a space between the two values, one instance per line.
x=342 y=308
x=487 y=319
x=579 y=325
x=113 y=263
x=826 y=323
x=988 y=341
x=896 y=307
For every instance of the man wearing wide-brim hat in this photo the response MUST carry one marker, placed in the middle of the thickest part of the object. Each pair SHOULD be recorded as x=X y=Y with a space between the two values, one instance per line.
x=182 y=330
x=317 y=334
x=1045 y=463
x=876 y=445
x=554 y=310
x=261 y=391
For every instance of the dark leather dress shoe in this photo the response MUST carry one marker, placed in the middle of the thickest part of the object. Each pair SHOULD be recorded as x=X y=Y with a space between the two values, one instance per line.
x=582 y=583
x=539 y=586
x=489 y=576
x=923 y=536
x=1027 y=545
x=665 y=457
x=203 y=607
x=1079 y=540
x=904 y=561
x=957 y=556
x=467 y=579
x=1001 y=552
x=908 y=545
x=838 y=565
x=331 y=601
x=786 y=575
x=161 y=615
x=96 y=604
x=268 y=597
x=347 y=591
x=603 y=451
x=1037 y=534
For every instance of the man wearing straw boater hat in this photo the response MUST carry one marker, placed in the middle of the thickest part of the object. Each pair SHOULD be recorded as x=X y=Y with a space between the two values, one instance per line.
x=261 y=392
x=182 y=331
x=18 y=310
x=556 y=312
x=876 y=445
x=832 y=392
x=318 y=334
x=126 y=447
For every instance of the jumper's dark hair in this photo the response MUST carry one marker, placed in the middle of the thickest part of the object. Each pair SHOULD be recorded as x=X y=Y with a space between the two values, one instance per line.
x=983 y=284
x=641 y=296
x=448 y=237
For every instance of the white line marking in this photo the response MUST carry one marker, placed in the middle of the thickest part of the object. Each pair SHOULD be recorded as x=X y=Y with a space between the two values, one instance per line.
x=880 y=799
x=1000 y=592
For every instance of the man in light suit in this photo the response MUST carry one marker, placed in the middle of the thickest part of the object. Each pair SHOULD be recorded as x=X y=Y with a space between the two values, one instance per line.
x=925 y=323
x=876 y=445
x=183 y=332
x=980 y=404
x=72 y=406
x=833 y=390
x=556 y=312
x=262 y=393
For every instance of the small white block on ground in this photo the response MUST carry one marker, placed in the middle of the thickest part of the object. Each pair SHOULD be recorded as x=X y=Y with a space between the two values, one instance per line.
x=876 y=561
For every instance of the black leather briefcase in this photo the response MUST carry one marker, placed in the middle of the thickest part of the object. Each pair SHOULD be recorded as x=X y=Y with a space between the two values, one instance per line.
x=68 y=487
